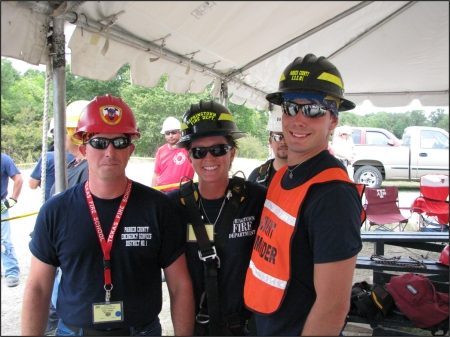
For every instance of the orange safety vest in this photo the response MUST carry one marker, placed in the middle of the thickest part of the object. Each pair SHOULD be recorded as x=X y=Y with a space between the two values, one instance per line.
x=269 y=269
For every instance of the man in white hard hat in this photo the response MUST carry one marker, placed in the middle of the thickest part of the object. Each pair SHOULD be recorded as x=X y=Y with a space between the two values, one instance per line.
x=344 y=148
x=171 y=163
x=264 y=173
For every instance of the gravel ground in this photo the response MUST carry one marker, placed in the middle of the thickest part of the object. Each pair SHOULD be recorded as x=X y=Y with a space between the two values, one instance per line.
x=140 y=170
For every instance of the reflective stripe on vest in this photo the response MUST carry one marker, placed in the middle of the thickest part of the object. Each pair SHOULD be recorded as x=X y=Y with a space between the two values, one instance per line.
x=269 y=270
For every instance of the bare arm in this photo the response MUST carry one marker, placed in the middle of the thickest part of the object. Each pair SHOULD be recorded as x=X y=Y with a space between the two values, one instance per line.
x=181 y=297
x=333 y=284
x=36 y=298
x=18 y=182
x=34 y=183
x=155 y=176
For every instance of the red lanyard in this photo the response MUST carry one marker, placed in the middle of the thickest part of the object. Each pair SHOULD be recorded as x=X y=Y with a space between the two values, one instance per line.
x=106 y=244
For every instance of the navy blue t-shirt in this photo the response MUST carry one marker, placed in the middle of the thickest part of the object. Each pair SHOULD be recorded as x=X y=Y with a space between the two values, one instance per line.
x=149 y=237
x=328 y=229
x=50 y=171
x=235 y=258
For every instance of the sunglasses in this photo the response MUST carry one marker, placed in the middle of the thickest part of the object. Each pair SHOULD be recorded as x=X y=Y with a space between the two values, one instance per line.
x=216 y=150
x=308 y=110
x=171 y=132
x=102 y=143
x=277 y=138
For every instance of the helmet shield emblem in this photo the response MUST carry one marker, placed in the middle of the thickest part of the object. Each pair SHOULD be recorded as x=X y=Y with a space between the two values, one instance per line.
x=111 y=114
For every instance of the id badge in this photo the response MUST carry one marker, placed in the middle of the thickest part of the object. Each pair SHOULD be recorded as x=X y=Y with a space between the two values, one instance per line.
x=191 y=234
x=107 y=312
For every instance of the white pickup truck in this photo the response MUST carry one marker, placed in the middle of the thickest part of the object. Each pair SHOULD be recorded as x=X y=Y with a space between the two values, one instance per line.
x=423 y=150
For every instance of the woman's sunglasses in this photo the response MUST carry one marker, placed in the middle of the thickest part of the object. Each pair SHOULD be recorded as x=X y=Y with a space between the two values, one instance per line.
x=308 y=110
x=216 y=150
x=171 y=132
x=102 y=143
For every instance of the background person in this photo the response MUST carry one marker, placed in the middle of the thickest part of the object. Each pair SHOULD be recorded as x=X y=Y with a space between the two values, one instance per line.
x=110 y=258
x=35 y=176
x=50 y=134
x=344 y=148
x=77 y=168
x=263 y=174
x=9 y=258
x=315 y=236
x=212 y=149
x=171 y=163
x=77 y=172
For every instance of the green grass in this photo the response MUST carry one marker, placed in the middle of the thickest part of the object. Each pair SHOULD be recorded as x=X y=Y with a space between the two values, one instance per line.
x=403 y=185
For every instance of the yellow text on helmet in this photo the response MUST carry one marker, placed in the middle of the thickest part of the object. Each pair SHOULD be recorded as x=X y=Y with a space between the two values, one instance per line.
x=204 y=115
x=298 y=75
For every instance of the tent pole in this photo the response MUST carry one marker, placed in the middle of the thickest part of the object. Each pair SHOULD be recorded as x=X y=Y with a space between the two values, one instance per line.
x=59 y=103
x=224 y=94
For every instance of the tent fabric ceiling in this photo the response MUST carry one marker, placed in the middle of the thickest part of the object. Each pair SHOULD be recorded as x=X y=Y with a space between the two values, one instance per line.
x=388 y=52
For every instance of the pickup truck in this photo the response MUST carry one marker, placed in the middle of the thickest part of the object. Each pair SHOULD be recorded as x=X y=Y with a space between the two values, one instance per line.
x=379 y=155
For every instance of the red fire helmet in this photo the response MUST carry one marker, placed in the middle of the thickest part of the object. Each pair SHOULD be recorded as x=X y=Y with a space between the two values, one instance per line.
x=107 y=114
x=444 y=256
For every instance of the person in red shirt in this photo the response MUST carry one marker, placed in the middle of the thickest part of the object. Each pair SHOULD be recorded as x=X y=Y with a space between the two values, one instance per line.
x=171 y=164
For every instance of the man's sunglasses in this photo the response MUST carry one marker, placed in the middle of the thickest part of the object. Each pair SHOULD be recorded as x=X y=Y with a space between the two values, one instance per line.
x=308 y=110
x=171 y=132
x=102 y=143
x=216 y=150
x=277 y=138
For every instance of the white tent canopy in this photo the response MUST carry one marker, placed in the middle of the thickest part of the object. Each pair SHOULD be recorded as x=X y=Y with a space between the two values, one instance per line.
x=388 y=52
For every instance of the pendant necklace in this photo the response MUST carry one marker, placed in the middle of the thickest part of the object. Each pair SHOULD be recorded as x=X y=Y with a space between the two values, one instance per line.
x=291 y=175
x=200 y=204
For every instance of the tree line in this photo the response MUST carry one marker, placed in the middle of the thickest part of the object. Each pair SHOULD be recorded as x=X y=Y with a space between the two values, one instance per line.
x=22 y=104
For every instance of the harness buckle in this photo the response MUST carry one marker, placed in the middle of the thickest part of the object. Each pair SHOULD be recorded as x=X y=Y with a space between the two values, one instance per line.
x=212 y=256
x=202 y=318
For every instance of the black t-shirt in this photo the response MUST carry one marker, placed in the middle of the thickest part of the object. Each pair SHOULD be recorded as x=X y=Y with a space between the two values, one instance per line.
x=149 y=237
x=328 y=229
x=235 y=258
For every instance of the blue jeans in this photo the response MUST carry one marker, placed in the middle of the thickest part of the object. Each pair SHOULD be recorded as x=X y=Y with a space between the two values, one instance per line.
x=152 y=329
x=9 y=257
x=56 y=286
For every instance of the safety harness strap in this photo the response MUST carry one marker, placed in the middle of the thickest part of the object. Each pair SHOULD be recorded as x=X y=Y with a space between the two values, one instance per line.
x=207 y=254
x=264 y=171
x=236 y=192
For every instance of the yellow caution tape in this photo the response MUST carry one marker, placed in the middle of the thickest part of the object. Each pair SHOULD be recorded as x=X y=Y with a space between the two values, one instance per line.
x=30 y=214
x=19 y=216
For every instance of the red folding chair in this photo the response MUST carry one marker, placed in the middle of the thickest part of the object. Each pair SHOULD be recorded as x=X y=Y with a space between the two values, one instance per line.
x=382 y=209
x=432 y=204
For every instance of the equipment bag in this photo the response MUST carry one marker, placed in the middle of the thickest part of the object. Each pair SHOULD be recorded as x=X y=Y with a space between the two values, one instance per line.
x=416 y=297
x=370 y=301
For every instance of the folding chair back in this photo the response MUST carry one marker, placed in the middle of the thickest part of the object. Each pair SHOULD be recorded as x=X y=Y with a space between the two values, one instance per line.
x=382 y=209
x=432 y=204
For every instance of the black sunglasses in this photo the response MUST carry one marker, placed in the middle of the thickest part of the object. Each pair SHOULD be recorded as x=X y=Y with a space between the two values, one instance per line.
x=102 y=143
x=216 y=150
x=171 y=132
x=308 y=110
x=277 y=138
